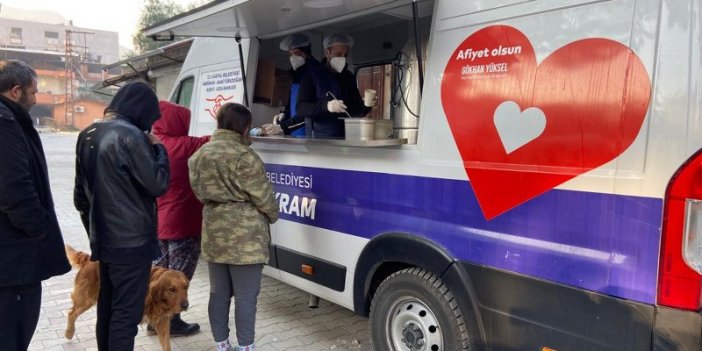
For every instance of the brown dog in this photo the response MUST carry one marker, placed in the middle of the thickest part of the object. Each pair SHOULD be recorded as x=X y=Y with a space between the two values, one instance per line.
x=167 y=295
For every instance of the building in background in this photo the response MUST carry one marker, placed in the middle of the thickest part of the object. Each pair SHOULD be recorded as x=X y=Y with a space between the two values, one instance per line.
x=69 y=60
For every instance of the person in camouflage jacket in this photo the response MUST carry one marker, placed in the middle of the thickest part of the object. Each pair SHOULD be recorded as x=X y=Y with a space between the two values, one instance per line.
x=228 y=177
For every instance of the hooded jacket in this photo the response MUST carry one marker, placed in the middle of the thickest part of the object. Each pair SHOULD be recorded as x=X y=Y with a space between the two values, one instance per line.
x=31 y=246
x=119 y=174
x=230 y=179
x=179 y=211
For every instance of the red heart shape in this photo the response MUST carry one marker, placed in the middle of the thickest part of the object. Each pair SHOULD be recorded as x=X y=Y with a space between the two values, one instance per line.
x=594 y=94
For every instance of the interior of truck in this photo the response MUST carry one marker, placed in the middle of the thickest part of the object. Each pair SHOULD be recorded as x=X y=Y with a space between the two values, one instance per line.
x=384 y=58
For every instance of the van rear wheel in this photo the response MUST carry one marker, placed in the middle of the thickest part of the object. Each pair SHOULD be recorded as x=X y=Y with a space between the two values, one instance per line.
x=413 y=310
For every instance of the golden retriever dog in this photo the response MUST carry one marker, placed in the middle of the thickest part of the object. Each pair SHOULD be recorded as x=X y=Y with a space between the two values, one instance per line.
x=167 y=295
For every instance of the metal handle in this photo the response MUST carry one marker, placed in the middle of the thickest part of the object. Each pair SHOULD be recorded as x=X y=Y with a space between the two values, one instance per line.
x=332 y=95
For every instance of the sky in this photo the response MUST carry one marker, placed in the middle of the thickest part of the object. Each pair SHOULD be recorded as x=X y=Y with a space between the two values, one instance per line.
x=117 y=16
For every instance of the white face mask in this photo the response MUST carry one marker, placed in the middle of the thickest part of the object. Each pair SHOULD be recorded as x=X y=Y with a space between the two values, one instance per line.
x=296 y=61
x=337 y=63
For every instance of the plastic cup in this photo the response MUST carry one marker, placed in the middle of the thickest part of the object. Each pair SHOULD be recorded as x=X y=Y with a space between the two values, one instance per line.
x=369 y=97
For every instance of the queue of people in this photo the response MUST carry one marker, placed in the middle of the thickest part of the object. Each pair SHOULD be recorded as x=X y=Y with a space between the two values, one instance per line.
x=183 y=196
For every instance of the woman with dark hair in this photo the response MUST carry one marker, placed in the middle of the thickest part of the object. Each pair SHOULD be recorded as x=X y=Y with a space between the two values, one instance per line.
x=228 y=177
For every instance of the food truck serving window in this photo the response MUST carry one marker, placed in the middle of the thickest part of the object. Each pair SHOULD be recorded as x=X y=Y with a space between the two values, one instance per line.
x=383 y=62
x=383 y=32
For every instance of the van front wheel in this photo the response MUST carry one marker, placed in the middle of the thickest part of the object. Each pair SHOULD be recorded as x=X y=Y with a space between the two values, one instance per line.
x=413 y=310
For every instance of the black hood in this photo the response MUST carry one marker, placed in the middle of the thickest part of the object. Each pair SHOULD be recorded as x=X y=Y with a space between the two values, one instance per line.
x=137 y=103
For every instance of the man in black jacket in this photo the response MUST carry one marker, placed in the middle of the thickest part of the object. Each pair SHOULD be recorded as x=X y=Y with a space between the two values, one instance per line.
x=330 y=92
x=31 y=246
x=120 y=170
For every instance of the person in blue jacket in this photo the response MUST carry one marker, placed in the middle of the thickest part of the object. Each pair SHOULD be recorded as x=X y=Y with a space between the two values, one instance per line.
x=302 y=62
x=31 y=245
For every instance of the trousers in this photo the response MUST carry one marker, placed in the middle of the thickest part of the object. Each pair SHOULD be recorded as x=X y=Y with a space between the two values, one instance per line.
x=120 y=306
x=19 y=313
x=243 y=282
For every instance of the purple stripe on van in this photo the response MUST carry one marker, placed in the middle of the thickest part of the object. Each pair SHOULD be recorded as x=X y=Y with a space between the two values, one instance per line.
x=599 y=242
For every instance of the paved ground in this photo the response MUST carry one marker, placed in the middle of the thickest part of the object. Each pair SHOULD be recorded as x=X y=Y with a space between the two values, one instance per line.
x=284 y=322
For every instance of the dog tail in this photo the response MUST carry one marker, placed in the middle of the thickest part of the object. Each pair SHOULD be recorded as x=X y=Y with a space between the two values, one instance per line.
x=78 y=259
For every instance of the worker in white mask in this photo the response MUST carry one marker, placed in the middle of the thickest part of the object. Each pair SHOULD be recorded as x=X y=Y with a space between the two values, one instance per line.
x=330 y=92
x=301 y=61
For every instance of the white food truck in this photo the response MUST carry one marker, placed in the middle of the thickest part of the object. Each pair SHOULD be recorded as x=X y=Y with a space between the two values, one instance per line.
x=542 y=187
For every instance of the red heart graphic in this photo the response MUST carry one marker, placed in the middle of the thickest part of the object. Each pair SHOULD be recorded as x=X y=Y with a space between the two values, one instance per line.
x=593 y=92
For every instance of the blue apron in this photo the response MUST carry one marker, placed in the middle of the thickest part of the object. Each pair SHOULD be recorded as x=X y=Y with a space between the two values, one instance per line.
x=294 y=90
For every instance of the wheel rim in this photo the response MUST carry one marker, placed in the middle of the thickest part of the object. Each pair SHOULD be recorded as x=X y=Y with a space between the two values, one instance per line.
x=412 y=326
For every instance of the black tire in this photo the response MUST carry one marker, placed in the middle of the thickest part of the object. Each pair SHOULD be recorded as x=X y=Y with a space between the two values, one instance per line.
x=414 y=304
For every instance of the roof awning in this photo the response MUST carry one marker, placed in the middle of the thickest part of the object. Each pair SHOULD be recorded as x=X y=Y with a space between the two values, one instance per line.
x=264 y=18
x=139 y=66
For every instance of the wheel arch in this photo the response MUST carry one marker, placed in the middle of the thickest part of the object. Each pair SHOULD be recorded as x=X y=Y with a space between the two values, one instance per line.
x=390 y=252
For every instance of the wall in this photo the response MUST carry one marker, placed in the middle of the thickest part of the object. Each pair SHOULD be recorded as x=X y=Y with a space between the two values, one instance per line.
x=51 y=82
x=102 y=43
x=93 y=110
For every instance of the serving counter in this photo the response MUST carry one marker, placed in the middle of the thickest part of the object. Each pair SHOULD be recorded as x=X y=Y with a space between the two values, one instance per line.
x=279 y=139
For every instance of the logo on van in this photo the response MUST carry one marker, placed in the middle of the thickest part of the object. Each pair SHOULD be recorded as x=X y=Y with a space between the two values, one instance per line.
x=218 y=100
x=523 y=128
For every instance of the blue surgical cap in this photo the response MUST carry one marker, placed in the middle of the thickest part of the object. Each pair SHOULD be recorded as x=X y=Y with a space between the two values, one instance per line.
x=337 y=39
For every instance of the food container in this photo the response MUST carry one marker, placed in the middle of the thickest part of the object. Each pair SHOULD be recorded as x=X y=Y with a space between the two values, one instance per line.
x=382 y=129
x=359 y=129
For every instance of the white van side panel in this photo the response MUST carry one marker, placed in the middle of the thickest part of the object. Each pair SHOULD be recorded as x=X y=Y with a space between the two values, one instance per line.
x=217 y=73
x=627 y=22
x=641 y=170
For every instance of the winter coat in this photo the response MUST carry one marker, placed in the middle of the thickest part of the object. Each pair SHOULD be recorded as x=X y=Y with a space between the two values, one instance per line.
x=179 y=211
x=31 y=246
x=119 y=174
x=229 y=178
x=312 y=100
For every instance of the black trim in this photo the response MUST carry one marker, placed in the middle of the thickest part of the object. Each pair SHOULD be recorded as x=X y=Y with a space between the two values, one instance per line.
x=458 y=281
x=405 y=250
x=514 y=312
x=524 y=313
x=328 y=274
x=677 y=330
x=272 y=258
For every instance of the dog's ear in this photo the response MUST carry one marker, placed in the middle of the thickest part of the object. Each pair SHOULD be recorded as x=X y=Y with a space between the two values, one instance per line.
x=156 y=287
x=156 y=273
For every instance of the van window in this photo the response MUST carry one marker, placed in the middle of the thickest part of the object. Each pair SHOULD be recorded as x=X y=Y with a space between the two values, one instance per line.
x=184 y=94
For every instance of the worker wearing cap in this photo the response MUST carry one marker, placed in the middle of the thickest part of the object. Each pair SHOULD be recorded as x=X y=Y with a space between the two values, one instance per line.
x=331 y=91
x=301 y=60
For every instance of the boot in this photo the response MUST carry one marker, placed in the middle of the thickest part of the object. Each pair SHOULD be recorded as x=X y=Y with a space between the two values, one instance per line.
x=181 y=328
x=224 y=346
